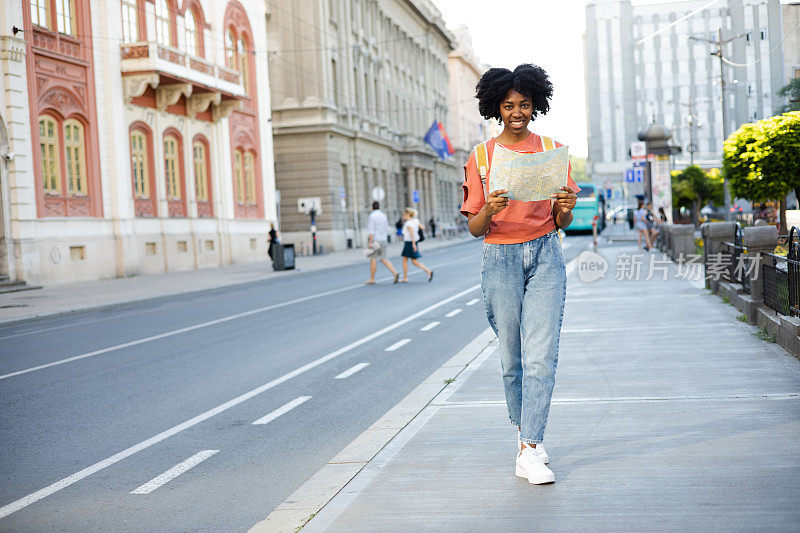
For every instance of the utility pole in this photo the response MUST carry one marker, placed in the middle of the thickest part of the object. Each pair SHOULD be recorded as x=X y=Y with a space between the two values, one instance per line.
x=720 y=43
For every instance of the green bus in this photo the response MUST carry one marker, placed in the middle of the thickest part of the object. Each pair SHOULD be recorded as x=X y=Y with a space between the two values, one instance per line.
x=590 y=205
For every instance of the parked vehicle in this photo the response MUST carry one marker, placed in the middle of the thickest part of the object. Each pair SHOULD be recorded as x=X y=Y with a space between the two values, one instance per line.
x=588 y=206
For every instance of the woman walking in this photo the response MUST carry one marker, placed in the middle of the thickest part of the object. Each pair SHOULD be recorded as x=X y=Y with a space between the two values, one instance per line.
x=522 y=273
x=411 y=228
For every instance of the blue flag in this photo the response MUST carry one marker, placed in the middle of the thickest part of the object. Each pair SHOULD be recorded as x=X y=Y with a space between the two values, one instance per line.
x=437 y=138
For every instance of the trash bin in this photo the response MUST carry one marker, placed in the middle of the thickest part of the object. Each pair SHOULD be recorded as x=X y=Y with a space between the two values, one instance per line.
x=283 y=257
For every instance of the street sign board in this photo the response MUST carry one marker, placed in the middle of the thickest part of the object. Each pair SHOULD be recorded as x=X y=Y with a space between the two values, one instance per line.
x=378 y=193
x=638 y=174
x=638 y=149
x=629 y=175
x=305 y=205
x=640 y=163
x=415 y=196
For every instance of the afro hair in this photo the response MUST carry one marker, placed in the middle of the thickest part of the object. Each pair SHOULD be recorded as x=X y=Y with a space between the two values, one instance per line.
x=529 y=80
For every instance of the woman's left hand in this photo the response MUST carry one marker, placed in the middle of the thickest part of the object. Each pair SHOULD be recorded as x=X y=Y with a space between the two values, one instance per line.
x=565 y=201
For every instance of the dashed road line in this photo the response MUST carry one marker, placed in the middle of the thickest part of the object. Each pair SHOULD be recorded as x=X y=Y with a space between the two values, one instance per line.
x=397 y=345
x=453 y=313
x=350 y=371
x=473 y=301
x=430 y=326
x=25 y=501
x=174 y=472
x=281 y=410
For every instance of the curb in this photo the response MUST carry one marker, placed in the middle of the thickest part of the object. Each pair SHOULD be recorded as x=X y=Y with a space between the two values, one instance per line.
x=301 y=506
x=197 y=290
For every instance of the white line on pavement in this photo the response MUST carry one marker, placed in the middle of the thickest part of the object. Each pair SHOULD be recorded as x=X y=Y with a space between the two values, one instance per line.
x=473 y=301
x=453 y=313
x=198 y=326
x=430 y=326
x=399 y=344
x=350 y=371
x=281 y=410
x=174 y=472
x=88 y=471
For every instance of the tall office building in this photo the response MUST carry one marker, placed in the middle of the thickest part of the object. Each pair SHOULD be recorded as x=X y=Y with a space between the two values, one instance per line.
x=640 y=69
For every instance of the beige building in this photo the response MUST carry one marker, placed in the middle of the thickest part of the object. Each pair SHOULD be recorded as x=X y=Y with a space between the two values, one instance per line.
x=135 y=137
x=466 y=127
x=355 y=87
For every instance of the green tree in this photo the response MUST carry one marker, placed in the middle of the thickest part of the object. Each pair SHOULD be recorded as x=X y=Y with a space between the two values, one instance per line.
x=762 y=160
x=791 y=91
x=579 y=169
x=692 y=187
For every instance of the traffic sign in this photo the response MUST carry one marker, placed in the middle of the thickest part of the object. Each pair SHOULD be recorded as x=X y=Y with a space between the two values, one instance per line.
x=629 y=175
x=638 y=149
x=378 y=193
x=638 y=174
x=415 y=196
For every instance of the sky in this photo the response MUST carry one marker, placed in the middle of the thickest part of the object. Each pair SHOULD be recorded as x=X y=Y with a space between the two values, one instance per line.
x=506 y=33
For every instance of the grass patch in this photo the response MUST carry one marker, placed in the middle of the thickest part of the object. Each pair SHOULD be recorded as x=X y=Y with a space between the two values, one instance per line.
x=725 y=298
x=765 y=335
x=741 y=318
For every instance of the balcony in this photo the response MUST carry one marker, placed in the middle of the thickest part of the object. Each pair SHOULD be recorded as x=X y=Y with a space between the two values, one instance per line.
x=172 y=73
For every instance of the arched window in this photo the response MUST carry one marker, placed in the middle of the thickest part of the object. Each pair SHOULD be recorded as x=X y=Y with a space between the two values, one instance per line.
x=130 y=21
x=200 y=171
x=48 y=144
x=230 y=49
x=241 y=51
x=163 y=23
x=75 y=158
x=238 y=176
x=140 y=165
x=171 y=168
x=65 y=19
x=250 y=178
x=191 y=33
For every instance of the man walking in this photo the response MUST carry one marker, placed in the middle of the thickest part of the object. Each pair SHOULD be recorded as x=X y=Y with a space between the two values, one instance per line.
x=378 y=228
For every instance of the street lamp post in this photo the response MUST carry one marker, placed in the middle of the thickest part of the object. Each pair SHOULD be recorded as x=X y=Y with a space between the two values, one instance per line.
x=719 y=43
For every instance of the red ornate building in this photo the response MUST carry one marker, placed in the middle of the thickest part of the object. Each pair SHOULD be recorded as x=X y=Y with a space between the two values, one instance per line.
x=146 y=150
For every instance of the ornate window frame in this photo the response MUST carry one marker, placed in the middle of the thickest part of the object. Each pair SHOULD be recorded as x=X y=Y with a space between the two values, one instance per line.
x=144 y=206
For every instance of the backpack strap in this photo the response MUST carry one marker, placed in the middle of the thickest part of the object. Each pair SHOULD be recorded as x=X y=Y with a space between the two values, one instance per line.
x=482 y=160
x=547 y=143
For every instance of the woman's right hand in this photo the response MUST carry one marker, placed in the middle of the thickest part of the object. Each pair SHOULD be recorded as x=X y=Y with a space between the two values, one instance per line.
x=496 y=203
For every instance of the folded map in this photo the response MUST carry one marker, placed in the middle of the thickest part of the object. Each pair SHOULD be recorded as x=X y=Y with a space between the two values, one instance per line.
x=529 y=177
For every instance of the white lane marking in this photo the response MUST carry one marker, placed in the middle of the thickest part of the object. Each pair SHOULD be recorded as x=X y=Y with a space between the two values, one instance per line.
x=430 y=326
x=473 y=301
x=453 y=313
x=399 y=344
x=69 y=480
x=174 y=472
x=201 y=325
x=281 y=410
x=350 y=371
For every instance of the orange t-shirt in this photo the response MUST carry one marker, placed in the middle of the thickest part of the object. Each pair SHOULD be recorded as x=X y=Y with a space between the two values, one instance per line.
x=520 y=221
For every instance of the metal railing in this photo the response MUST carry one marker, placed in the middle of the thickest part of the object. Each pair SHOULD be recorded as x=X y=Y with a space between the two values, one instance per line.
x=781 y=275
x=736 y=271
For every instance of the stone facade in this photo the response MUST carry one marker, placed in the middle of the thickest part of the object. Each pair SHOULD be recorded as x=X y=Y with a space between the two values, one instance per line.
x=140 y=139
x=355 y=87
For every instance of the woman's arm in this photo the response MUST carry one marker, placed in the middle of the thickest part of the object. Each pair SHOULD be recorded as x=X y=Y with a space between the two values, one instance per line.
x=563 y=204
x=479 y=224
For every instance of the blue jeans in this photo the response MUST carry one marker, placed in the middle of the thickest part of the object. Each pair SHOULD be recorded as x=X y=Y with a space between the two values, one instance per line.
x=524 y=286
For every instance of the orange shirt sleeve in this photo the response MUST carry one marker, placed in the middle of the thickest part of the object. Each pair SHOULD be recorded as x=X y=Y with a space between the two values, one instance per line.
x=473 y=189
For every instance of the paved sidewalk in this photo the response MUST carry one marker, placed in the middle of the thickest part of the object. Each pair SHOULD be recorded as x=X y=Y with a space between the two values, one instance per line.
x=668 y=414
x=55 y=300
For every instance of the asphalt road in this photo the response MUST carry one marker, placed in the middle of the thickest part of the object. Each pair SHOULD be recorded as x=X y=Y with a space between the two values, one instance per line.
x=142 y=417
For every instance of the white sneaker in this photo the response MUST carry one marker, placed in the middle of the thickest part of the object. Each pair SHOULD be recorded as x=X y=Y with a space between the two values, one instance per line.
x=531 y=466
x=539 y=449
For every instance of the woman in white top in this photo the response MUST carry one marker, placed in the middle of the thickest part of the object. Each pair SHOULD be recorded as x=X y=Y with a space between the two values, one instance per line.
x=411 y=228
